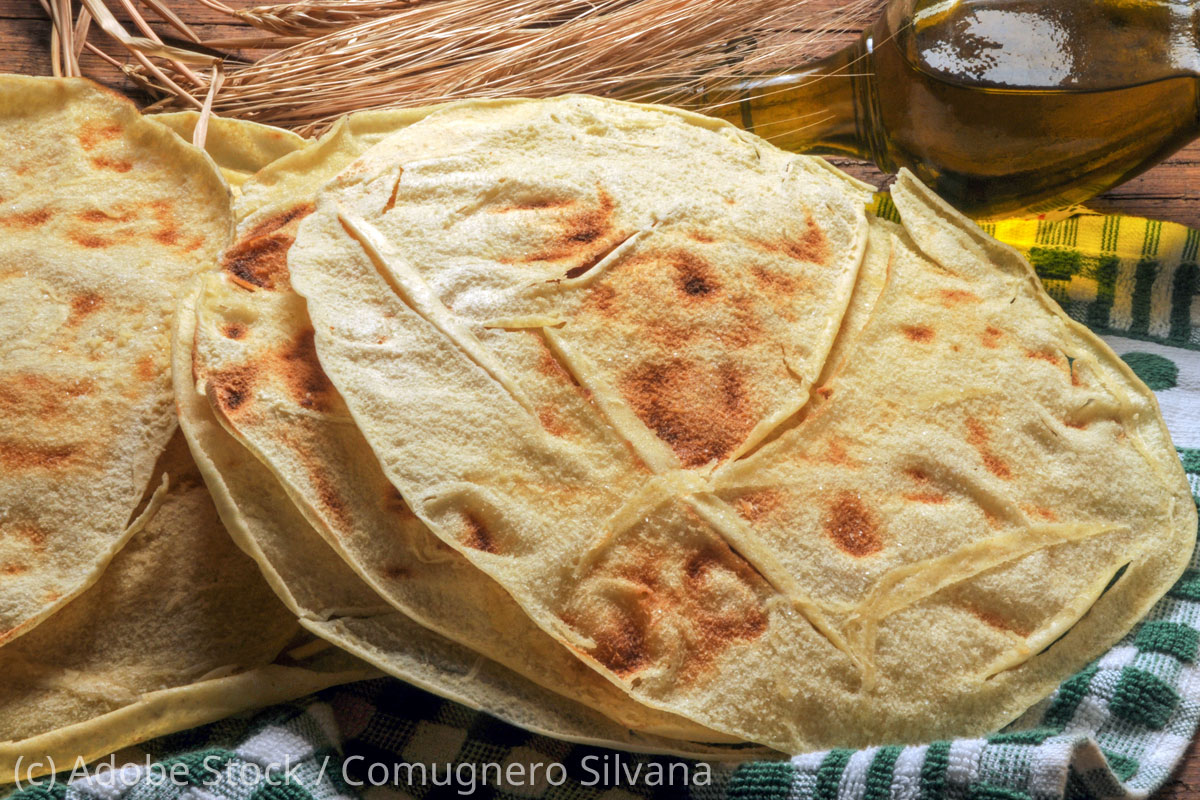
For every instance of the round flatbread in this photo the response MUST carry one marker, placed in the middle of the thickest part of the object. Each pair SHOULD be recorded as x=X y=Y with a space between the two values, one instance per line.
x=104 y=216
x=590 y=343
x=253 y=356
x=159 y=644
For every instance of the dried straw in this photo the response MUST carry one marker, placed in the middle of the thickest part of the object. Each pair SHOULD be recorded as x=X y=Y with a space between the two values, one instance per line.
x=325 y=58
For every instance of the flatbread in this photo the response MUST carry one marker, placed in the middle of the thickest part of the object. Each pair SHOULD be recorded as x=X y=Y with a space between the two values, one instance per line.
x=916 y=548
x=103 y=217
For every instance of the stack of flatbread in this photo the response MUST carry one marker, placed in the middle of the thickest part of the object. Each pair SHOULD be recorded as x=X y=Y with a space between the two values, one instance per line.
x=610 y=420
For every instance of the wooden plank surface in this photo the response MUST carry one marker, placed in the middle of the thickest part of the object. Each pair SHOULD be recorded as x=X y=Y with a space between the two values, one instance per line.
x=1170 y=191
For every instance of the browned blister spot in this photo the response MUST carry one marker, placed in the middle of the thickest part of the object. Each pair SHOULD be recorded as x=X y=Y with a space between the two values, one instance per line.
x=92 y=134
x=477 y=536
x=918 y=333
x=620 y=636
x=694 y=278
x=759 y=504
x=670 y=333
x=231 y=389
x=277 y=222
x=130 y=222
x=601 y=300
x=956 y=297
x=395 y=572
x=14 y=569
x=114 y=164
x=748 y=327
x=835 y=453
x=552 y=420
x=581 y=234
x=147 y=369
x=703 y=412
x=810 y=246
x=233 y=330
x=302 y=374
x=36 y=455
x=90 y=241
x=715 y=622
x=331 y=503
x=990 y=337
x=534 y=204
x=1044 y=355
x=82 y=305
x=1078 y=370
x=977 y=437
x=978 y=434
x=548 y=365
x=97 y=217
x=995 y=620
x=1041 y=512
x=552 y=368
x=676 y=331
x=35 y=535
x=258 y=260
x=27 y=219
x=259 y=263
x=704 y=590
x=917 y=474
x=330 y=498
x=930 y=498
x=42 y=396
x=852 y=526
x=166 y=231
x=589 y=225
x=778 y=283
x=167 y=236
x=826 y=392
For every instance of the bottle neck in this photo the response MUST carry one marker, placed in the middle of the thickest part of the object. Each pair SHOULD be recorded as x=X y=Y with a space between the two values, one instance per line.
x=817 y=109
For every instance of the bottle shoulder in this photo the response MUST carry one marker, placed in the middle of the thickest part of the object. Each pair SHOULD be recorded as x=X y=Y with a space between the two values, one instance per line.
x=1046 y=45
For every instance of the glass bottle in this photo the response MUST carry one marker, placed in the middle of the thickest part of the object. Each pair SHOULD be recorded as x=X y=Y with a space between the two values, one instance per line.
x=1002 y=106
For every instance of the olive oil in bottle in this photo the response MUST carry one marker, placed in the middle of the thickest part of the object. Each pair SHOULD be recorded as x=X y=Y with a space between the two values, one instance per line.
x=1000 y=105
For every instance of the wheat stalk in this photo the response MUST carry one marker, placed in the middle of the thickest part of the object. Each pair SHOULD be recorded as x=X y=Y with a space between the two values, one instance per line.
x=328 y=57
x=314 y=17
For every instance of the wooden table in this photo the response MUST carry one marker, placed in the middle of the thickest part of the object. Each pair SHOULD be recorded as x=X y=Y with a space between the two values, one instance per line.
x=1170 y=191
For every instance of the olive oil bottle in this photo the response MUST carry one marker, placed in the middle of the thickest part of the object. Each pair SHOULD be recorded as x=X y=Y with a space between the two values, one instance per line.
x=1002 y=106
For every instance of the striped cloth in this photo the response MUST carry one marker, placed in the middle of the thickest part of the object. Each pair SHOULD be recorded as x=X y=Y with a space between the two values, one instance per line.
x=1114 y=730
